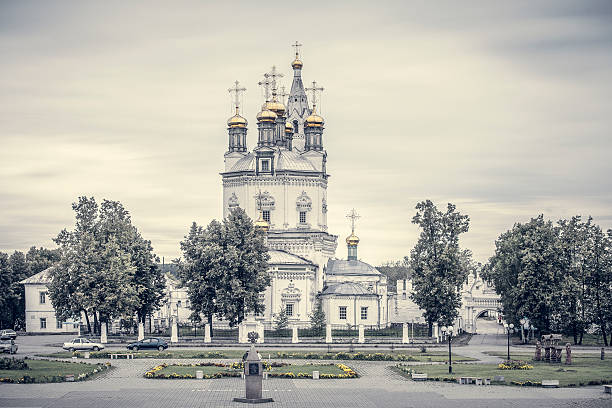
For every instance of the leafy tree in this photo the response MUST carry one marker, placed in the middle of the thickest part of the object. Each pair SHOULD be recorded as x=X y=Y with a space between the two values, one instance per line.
x=317 y=318
x=5 y=290
x=225 y=268
x=395 y=271
x=202 y=266
x=281 y=320
x=39 y=259
x=438 y=262
x=599 y=279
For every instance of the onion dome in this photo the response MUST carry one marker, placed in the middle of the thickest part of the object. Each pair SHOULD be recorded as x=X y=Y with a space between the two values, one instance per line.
x=297 y=63
x=288 y=128
x=237 y=121
x=352 y=239
x=266 y=116
x=261 y=224
x=275 y=107
x=314 y=120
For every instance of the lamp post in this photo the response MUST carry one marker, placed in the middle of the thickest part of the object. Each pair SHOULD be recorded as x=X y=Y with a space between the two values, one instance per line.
x=509 y=330
x=448 y=331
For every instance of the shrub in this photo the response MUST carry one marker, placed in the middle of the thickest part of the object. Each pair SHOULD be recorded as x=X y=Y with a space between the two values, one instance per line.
x=13 y=364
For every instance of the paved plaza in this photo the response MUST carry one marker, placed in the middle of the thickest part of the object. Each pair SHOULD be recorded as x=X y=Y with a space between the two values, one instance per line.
x=378 y=386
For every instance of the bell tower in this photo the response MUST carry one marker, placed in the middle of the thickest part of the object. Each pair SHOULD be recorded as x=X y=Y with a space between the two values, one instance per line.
x=297 y=102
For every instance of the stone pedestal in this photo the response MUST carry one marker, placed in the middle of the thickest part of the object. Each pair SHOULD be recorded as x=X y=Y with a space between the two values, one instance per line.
x=207 y=338
x=253 y=376
x=248 y=326
x=405 y=339
x=140 y=331
x=361 y=334
x=103 y=337
x=174 y=335
x=294 y=335
x=328 y=333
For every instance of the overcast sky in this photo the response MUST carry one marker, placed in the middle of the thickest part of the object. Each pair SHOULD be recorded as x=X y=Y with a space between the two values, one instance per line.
x=503 y=108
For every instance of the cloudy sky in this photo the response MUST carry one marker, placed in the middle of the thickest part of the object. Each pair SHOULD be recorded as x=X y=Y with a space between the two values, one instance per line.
x=502 y=108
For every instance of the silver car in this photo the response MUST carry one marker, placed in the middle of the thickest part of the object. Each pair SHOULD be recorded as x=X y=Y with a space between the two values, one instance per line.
x=8 y=346
x=82 y=344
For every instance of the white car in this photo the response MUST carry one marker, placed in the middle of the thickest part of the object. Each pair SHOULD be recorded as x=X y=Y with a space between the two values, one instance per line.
x=82 y=344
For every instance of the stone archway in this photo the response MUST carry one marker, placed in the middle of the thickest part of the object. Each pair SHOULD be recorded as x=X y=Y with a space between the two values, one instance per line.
x=488 y=324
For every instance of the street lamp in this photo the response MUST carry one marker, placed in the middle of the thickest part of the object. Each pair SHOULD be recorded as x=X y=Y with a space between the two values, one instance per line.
x=509 y=329
x=448 y=331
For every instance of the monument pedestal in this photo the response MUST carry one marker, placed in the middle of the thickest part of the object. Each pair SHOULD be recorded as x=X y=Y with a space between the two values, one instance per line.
x=253 y=375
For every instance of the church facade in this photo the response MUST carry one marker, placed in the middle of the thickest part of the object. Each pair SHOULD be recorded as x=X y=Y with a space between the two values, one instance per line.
x=282 y=182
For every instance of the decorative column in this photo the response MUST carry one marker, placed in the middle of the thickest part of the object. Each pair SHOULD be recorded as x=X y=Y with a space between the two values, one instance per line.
x=174 y=336
x=361 y=339
x=207 y=338
x=436 y=332
x=328 y=333
x=103 y=337
x=140 y=331
x=405 y=333
x=294 y=336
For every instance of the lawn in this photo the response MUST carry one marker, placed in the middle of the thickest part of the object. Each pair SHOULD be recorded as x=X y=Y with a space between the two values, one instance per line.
x=585 y=370
x=376 y=355
x=41 y=371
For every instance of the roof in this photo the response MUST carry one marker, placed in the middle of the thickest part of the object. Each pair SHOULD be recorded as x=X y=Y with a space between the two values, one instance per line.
x=283 y=160
x=42 y=277
x=278 y=257
x=347 y=289
x=346 y=267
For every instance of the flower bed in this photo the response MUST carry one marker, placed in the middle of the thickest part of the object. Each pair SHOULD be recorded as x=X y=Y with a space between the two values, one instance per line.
x=514 y=365
x=45 y=371
x=347 y=356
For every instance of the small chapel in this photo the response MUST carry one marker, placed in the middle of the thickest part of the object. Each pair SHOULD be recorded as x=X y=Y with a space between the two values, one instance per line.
x=282 y=184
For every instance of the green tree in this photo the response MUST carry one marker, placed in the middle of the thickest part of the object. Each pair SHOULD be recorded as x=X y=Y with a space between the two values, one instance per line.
x=438 y=263
x=39 y=259
x=281 y=320
x=317 y=318
x=599 y=279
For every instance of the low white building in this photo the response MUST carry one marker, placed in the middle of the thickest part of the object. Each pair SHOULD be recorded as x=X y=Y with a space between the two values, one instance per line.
x=39 y=312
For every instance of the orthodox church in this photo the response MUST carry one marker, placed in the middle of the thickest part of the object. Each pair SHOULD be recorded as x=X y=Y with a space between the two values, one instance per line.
x=282 y=183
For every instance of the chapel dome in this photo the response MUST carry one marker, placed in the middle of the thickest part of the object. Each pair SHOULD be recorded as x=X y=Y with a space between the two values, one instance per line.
x=352 y=239
x=237 y=121
x=275 y=107
x=266 y=116
x=297 y=63
x=314 y=120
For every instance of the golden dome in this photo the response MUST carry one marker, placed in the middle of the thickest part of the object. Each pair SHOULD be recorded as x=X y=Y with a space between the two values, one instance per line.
x=352 y=239
x=314 y=120
x=275 y=107
x=266 y=116
x=297 y=63
x=261 y=224
x=237 y=121
x=288 y=128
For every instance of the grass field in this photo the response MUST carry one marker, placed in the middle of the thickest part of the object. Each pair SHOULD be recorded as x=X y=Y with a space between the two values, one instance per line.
x=413 y=355
x=41 y=371
x=584 y=370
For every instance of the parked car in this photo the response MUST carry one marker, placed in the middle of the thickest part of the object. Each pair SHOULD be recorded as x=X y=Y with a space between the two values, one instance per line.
x=149 y=343
x=8 y=334
x=8 y=346
x=82 y=344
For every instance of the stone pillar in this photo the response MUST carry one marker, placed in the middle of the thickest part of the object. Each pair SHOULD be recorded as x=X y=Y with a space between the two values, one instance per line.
x=538 y=351
x=328 y=333
x=568 y=354
x=174 y=336
x=405 y=339
x=207 y=338
x=294 y=335
x=241 y=333
x=103 y=338
x=436 y=332
x=140 y=331
x=361 y=334
x=260 y=332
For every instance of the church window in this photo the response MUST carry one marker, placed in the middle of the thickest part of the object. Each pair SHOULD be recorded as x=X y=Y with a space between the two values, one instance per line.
x=403 y=296
x=59 y=324
x=289 y=309
x=43 y=297
x=302 y=217
x=364 y=313
x=266 y=215
x=342 y=313
x=43 y=322
x=265 y=165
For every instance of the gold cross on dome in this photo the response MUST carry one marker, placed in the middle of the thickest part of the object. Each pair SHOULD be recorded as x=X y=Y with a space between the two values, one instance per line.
x=297 y=49
x=353 y=216
x=314 y=91
x=273 y=74
x=237 y=90
x=265 y=84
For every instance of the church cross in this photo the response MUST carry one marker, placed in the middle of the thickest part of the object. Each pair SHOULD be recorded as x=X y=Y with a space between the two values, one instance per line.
x=283 y=94
x=265 y=84
x=258 y=197
x=237 y=90
x=314 y=91
x=273 y=74
x=297 y=49
x=353 y=216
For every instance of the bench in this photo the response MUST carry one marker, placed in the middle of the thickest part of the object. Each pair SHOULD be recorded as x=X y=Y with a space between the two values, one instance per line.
x=128 y=356
x=499 y=378
x=419 y=377
x=608 y=389
x=550 y=383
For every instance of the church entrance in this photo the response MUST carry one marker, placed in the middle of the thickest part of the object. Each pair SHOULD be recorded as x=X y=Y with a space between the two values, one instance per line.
x=488 y=322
